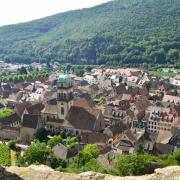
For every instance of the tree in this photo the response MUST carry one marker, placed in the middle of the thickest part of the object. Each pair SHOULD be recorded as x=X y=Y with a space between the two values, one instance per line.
x=54 y=141
x=79 y=72
x=22 y=70
x=70 y=141
x=140 y=149
x=147 y=85
x=135 y=164
x=88 y=68
x=93 y=165
x=12 y=145
x=120 y=79
x=174 y=159
x=57 y=162
x=90 y=151
x=130 y=87
x=68 y=67
x=41 y=134
x=173 y=54
x=36 y=153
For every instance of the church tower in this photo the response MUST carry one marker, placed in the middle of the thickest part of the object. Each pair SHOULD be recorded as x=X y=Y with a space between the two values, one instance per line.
x=64 y=95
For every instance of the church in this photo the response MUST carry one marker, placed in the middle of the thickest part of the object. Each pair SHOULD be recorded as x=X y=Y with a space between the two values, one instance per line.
x=65 y=113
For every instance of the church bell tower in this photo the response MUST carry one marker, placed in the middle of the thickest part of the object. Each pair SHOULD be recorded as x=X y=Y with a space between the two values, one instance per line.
x=64 y=95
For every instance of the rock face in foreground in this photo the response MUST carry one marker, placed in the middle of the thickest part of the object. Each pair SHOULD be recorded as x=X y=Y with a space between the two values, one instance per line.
x=45 y=173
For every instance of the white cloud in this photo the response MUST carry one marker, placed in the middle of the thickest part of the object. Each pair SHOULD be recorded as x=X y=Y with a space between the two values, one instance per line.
x=14 y=11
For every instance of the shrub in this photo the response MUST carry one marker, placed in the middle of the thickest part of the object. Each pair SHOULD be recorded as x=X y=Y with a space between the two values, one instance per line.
x=4 y=155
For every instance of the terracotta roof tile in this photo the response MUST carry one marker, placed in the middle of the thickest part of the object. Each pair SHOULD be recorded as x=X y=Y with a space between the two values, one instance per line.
x=80 y=118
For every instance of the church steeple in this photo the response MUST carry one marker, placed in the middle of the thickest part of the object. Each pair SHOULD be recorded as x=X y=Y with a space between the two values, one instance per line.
x=64 y=95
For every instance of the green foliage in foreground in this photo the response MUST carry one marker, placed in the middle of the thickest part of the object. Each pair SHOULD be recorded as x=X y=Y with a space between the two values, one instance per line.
x=41 y=135
x=4 y=155
x=54 y=141
x=87 y=160
x=136 y=164
x=69 y=142
x=88 y=153
x=36 y=153
x=116 y=33
x=124 y=165
x=5 y=113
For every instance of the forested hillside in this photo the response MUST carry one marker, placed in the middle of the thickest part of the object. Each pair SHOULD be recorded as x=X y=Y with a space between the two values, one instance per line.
x=119 y=32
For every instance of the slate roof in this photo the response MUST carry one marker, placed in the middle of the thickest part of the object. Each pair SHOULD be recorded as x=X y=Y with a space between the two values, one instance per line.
x=74 y=151
x=6 y=87
x=163 y=148
x=105 y=150
x=10 y=119
x=52 y=101
x=30 y=121
x=35 y=109
x=9 y=128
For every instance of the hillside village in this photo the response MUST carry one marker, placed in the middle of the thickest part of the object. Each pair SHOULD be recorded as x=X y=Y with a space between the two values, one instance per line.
x=116 y=109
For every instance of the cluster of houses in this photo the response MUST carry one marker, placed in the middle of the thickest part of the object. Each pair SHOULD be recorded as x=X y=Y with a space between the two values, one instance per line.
x=131 y=114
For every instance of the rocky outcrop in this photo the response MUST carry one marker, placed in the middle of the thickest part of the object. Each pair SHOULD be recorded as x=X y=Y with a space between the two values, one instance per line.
x=5 y=175
x=45 y=173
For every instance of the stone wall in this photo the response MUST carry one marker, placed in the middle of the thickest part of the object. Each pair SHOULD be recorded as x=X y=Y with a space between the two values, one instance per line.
x=45 y=173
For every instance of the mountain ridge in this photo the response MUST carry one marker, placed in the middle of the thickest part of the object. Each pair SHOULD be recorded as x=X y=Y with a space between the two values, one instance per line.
x=117 y=32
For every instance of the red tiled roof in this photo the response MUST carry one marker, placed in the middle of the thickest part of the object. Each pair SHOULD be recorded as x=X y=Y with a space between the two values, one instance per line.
x=81 y=102
x=94 y=138
x=80 y=118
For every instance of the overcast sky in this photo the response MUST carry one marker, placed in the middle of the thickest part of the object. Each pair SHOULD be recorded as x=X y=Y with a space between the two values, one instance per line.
x=14 y=11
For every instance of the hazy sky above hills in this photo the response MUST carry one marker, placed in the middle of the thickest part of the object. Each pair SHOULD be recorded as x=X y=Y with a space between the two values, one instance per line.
x=14 y=11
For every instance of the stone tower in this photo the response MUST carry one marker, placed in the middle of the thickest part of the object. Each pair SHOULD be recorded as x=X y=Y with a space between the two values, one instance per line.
x=64 y=95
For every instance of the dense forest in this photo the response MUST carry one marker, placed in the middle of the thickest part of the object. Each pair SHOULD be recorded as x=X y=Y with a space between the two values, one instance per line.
x=119 y=32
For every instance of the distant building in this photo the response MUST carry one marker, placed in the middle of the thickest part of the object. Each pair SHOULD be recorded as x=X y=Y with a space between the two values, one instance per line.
x=160 y=118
